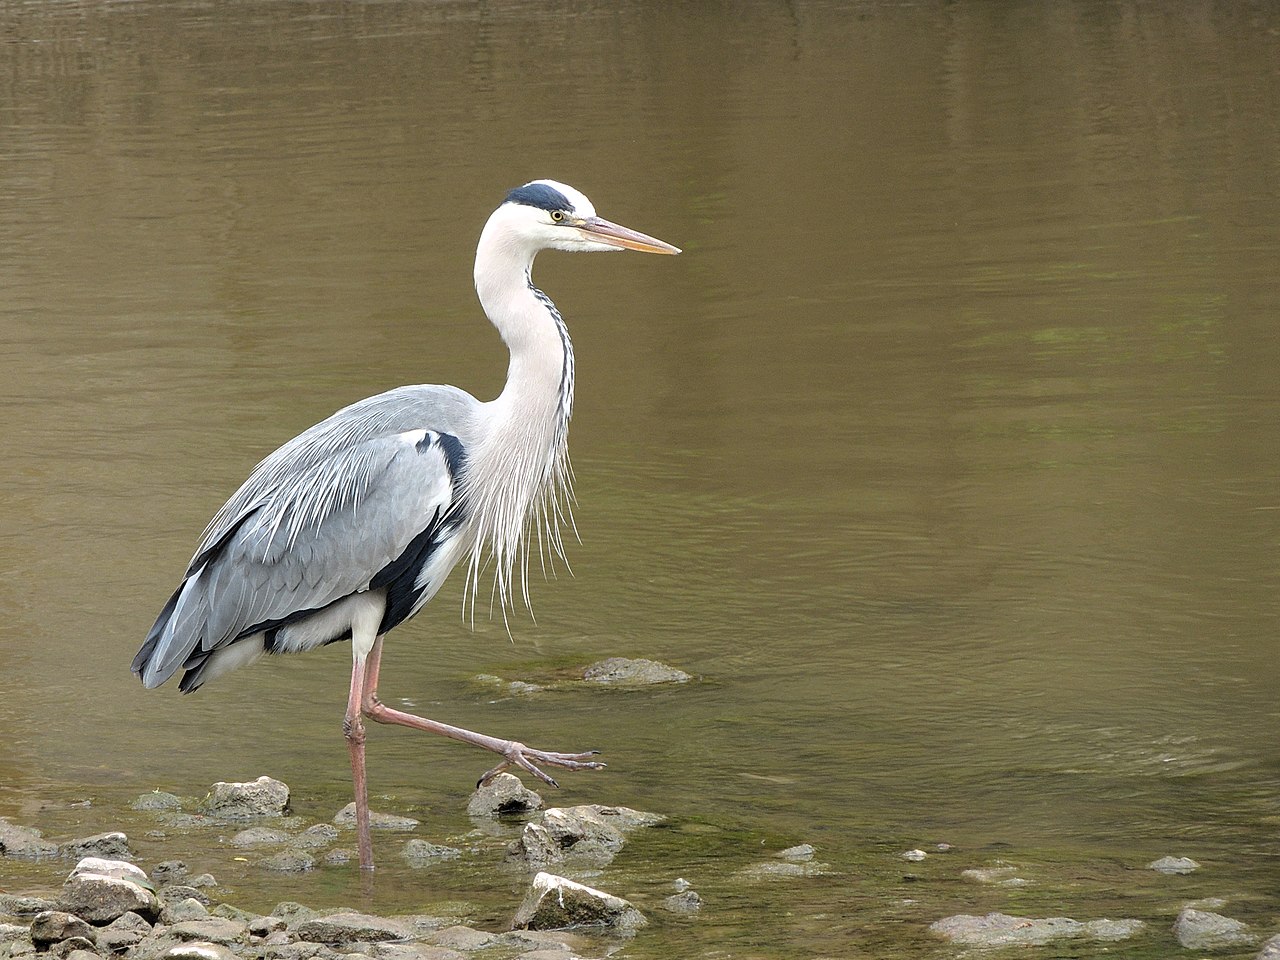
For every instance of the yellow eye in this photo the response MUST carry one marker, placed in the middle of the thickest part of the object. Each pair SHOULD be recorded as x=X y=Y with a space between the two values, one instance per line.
x=557 y=216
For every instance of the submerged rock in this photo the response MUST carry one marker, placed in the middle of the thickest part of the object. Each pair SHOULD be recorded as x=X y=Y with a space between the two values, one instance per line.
x=1202 y=930
x=1173 y=865
x=24 y=843
x=553 y=903
x=315 y=836
x=263 y=797
x=503 y=794
x=290 y=861
x=157 y=800
x=420 y=852
x=259 y=837
x=1001 y=930
x=686 y=902
x=1270 y=950
x=783 y=870
x=346 y=817
x=621 y=671
x=801 y=853
x=1003 y=875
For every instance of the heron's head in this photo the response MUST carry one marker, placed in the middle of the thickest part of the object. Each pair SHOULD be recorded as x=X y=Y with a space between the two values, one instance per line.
x=545 y=214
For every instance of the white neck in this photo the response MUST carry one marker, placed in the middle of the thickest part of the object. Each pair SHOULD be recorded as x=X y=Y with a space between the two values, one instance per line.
x=518 y=470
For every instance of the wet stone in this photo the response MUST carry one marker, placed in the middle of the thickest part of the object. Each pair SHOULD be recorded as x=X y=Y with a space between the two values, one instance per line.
x=1202 y=930
x=315 y=836
x=1002 y=930
x=24 y=843
x=113 y=845
x=801 y=853
x=168 y=871
x=915 y=856
x=259 y=837
x=555 y=902
x=290 y=861
x=1002 y=875
x=621 y=671
x=263 y=797
x=504 y=794
x=535 y=847
x=1270 y=950
x=184 y=891
x=157 y=800
x=1173 y=865
x=10 y=932
x=346 y=817
x=686 y=902
x=420 y=853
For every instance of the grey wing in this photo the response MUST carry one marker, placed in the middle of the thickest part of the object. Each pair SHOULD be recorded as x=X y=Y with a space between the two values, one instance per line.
x=332 y=528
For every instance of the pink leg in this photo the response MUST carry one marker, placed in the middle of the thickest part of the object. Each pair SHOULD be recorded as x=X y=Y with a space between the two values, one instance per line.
x=513 y=753
x=353 y=729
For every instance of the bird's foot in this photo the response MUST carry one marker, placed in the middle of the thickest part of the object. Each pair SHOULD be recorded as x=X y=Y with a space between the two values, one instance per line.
x=517 y=754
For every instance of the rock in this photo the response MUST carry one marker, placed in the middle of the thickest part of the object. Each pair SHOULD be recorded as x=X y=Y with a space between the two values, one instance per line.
x=183 y=891
x=263 y=797
x=315 y=836
x=157 y=800
x=202 y=881
x=198 y=950
x=1202 y=930
x=1173 y=865
x=178 y=911
x=915 y=856
x=570 y=826
x=119 y=869
x=265 y=926
x=211 y=930
x=54 y=926
x=101 y=891
x=419 y=853
x=352 y=927
x=346 y=817
x=510 y=687
x=24 y=843
x=802 y=853
x=339 y=855
x=65 y=949
x=1270 y=950
x=686 y=902
x=782 y=870
x=122 y=933
x=113 y=846
x=9 y=932
x=169 y=871
x=535 y=846
x=504 y=794
x=554 y=902
x=16 y=905
x=1001 y=930
x=290 y=861
x=1003 y=875
x=460 y=937
x=621 y=671
x=414 y=951
x=259 y=837
x=303 y=951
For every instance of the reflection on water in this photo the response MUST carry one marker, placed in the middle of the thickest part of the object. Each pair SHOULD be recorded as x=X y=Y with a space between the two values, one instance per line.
x=945 y=456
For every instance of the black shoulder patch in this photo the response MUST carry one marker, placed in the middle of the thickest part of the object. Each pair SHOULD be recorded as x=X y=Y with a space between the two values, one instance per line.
x=541 y=196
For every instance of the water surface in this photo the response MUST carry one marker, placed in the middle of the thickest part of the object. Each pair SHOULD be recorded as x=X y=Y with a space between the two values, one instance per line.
x=945 y=456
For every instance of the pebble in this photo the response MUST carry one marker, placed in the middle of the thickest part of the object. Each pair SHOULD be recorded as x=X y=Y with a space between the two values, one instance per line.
x=1173 y=865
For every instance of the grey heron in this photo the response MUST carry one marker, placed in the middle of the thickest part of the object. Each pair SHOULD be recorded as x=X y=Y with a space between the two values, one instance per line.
x=348 y=529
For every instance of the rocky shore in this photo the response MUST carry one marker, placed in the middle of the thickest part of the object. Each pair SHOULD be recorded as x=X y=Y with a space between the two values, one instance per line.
x=110 y=907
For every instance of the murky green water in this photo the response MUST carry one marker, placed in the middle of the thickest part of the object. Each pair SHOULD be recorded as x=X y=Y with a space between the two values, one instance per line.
x=946 y=456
